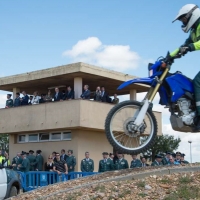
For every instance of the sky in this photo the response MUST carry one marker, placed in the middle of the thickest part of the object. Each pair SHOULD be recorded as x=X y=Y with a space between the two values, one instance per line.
x=119 y=35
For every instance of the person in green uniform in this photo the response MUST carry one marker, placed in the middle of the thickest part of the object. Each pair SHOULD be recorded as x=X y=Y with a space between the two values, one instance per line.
x=39 y=161
x=71 y=161
x=25 y=166
x=165 y=160
x=87 y=164
x=158 y=161
x=9 y=101
x=135 y=163
x=121 y=163
x=105 y=164
x=32 y=160
x=15 y=161
x=189 y=15
x=183 y=159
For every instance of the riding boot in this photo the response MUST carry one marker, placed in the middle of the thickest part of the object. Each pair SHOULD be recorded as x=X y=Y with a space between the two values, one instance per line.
x=196 y=84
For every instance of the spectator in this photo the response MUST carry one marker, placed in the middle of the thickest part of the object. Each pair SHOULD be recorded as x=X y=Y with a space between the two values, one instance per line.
x=54 y=156
x=86 y=93
x=60 y=166
x=58 y=95
x=48 y=97
x=172 y=161
x=69 y=94
x=87 y=164
x=97 y=95
x=104 y=95
x=121 y=163
x=16 y=161
x=17 y=101
x=63 y=155
x=39 y=161
x=183 y=159
x=105 y=164
x=9 y=101
x=158 y=160
x=32 y=160
x=30 y=99
x=35 y=99
x=63 y=94
x=144 y=162
x=135 y=163
x=6 y=161
x=24 y=99
x=25 y=166
x=115 y=100
x=111 y=156
x=178 y=157
x=42 y=99
x=71 y=161
x=165 y=160
x=48 y=166
x=2 y=158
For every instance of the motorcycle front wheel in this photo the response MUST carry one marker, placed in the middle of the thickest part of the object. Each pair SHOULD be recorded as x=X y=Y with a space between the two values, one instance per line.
x=120 y=132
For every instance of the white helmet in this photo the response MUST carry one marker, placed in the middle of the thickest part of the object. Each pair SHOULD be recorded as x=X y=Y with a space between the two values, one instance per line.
x=191 y=12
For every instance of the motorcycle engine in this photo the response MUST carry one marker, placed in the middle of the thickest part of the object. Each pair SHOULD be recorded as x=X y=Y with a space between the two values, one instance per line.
x=187 y=114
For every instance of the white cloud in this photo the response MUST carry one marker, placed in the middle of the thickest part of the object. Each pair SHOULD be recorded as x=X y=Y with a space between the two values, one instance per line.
x=115 y=57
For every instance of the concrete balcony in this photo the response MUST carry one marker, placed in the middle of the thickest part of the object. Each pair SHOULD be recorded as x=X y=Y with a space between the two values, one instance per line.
x=73 y=114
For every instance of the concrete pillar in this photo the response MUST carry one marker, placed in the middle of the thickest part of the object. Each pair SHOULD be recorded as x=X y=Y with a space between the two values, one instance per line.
x=78 y=87
x=133 y=94
x=15 y=90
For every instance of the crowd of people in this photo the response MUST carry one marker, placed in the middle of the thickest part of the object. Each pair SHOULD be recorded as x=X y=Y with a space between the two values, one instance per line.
x=65 y=163
x=99 y=95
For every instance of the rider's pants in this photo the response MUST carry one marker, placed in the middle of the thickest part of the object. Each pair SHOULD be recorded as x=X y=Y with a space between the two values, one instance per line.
x=196 y=83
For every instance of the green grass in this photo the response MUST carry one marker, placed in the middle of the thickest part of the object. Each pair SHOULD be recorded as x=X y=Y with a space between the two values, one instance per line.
x=142 y=195
x=165 y=181
x=124 y=193
x=141 y=184
x=185 y=180
x=100 y=188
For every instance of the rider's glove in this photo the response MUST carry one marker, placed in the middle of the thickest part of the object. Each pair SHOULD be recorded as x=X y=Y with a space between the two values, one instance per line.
x=184 y=49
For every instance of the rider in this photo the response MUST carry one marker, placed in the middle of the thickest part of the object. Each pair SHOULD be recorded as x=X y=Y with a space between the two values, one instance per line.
x=189 y=15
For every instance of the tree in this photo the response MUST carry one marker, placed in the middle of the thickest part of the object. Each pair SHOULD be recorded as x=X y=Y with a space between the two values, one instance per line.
x=163 y=143
x=4 y=142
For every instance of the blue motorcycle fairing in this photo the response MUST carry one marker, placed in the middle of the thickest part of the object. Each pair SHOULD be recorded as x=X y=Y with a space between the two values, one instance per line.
x=146 y=81
x=163 y=96
x=155 y=66
x=179 y=84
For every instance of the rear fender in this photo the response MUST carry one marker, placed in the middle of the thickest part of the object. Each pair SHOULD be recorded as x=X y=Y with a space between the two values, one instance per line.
x=146 y=81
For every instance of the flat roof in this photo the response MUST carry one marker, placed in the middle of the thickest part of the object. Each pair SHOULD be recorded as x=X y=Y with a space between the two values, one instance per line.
x=64 y=75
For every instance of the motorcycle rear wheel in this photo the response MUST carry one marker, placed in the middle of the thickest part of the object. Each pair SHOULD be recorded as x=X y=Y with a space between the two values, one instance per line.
x=116 y=128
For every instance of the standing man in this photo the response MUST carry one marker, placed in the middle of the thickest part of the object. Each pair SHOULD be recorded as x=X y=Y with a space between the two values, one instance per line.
x=60 y=166
x=86 y=93
x=25 y=166
x=104 y=95
x=158 y=161
x=135 y=163
x=9 y=101
x=87 y=164
x=69 y=95
x=17 y=101
x=121 y=163
x=165 y=160
x=63 y=155
x=105 y=164
x=16 y=161
x=39 y=161
x=2 y=158
x=144 y=162
x=32 y=160
x=58 y=96
x=178 y=157
x=71 y=161
x=24 y=99
x=183 y=159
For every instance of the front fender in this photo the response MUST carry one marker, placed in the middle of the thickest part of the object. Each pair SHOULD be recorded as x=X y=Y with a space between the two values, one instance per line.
x=146 y=81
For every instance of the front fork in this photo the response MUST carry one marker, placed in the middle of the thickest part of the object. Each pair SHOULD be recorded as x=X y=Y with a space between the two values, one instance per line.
x=149 y=98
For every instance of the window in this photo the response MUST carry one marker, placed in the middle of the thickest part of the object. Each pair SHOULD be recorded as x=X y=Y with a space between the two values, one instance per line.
x=66 y=136
x=55 y=136
x=44 y=136
x=33 y=138
x=22 y=138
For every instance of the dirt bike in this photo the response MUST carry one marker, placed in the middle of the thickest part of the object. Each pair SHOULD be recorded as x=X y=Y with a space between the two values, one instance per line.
x=131 y=126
